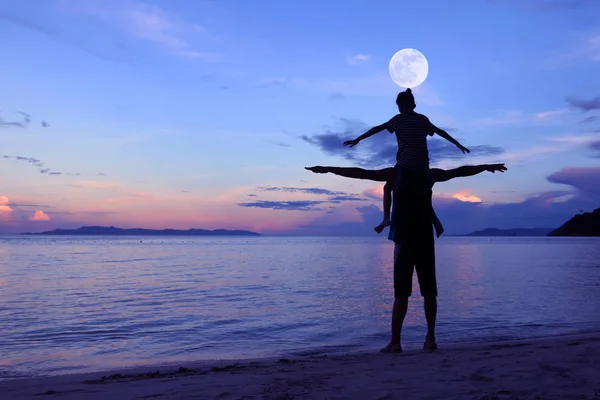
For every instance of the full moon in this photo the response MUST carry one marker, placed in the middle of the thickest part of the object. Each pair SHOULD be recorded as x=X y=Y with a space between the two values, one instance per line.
x=409 y=68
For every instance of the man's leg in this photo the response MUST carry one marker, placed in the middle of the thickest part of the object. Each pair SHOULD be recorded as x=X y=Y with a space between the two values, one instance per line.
x=403 y=269
x=425 y=266
x=430 y=315
x=387 y=205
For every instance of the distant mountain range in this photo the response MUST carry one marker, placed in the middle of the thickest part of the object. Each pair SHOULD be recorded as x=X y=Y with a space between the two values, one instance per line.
x=111 y=230
x=511 y=232
x=586 y=224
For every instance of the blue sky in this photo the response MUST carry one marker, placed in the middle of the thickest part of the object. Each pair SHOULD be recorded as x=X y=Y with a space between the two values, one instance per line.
x=179 y=114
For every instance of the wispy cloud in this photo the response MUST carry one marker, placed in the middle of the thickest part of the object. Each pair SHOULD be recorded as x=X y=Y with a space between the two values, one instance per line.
x=584 y=105
x=358 y=59
x=591 y=118
x=517 y=117
x=24 y=122
x=146 y=21
x=317 y=191
x=295 y=205
x=337 y=96
x=547 y=5
x=38 y=164
x=334 y=197
x=273 y=82
x=277 y=143
x=115 y=187
x=60 y=37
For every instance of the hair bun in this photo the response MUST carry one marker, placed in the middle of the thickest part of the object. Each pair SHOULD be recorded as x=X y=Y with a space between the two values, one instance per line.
x=408 y=90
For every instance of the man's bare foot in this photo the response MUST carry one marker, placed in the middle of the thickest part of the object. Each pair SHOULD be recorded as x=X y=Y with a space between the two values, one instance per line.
x=382 y=225
x=391 y=348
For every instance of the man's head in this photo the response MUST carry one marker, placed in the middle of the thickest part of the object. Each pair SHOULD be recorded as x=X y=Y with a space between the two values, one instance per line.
x=406 y=101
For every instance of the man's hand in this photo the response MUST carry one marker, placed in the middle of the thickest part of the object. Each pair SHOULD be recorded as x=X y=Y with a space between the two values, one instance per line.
x=463 y=148
x=317 y=169
x=351 y=143
x=495 y=167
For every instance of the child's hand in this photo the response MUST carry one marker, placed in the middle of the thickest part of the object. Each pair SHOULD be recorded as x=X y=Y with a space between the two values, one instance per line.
x=463 y=148
x=351 y=143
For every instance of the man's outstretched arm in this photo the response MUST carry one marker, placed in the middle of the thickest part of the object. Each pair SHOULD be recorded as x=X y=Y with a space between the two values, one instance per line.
x=441 y=175
x=380 y=175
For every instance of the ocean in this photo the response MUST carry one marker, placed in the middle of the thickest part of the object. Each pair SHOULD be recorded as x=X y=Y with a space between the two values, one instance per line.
x=86 y=304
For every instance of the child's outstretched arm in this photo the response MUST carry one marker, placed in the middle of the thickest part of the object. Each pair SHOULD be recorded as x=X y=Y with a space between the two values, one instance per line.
x=449 y=138
x=374 y=130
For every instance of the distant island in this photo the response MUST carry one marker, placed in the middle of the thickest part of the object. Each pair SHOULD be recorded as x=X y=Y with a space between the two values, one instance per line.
x=111 y=230
x=511 y=232
x=586 y=224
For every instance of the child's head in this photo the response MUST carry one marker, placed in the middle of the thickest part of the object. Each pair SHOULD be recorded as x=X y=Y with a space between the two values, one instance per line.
x=406 y=101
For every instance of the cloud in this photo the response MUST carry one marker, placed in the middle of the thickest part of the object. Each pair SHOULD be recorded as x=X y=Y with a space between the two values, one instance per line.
x=146 y=21
x=358 y=59
x=584 y=105
x=338 y=199
x=296 y=205
x=595 y=146
x=334 y=197
x=337 y=96
x=39 y=164
x=375 y=193
x=584 y=179
x=273 y=82
x=301 y=190
x=280 y=144
x=547 y=5
x=26 y=120
x=466 y=195
x=5 y=208
x=516 y=117
x=591 y=118
x=118 y=188
x=39 y=215
x=70 y=40
x=380 y=150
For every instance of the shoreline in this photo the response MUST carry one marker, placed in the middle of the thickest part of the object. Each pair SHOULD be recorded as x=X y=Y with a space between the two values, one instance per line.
x=548 y=367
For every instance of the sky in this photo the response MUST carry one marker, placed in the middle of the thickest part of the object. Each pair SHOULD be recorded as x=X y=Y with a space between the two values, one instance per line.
x=203 y=114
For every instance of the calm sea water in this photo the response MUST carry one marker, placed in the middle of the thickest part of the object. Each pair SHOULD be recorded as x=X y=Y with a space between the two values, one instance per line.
x=74 y=304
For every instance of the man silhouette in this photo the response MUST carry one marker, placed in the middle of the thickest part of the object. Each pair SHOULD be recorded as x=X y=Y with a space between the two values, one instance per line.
x=411 y=230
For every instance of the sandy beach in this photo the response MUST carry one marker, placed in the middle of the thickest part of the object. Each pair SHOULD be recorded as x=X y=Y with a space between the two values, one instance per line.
x=564 y=367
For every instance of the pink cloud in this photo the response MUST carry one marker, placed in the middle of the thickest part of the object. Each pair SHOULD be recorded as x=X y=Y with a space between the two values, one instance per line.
x=466 y=195
x=375 y=193
x=40 y=216
x=5 y=208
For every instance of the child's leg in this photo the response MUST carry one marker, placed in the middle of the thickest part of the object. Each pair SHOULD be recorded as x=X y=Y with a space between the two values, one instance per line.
x=387 y=206
x=439 y=229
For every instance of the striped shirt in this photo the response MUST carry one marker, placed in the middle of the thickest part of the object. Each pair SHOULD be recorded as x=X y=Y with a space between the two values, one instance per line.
x=411 y=131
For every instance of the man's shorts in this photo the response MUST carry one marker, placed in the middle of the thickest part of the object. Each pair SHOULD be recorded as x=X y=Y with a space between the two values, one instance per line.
x=421 y=257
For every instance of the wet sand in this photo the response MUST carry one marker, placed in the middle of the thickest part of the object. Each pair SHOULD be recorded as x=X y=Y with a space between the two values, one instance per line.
x=566 y=367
